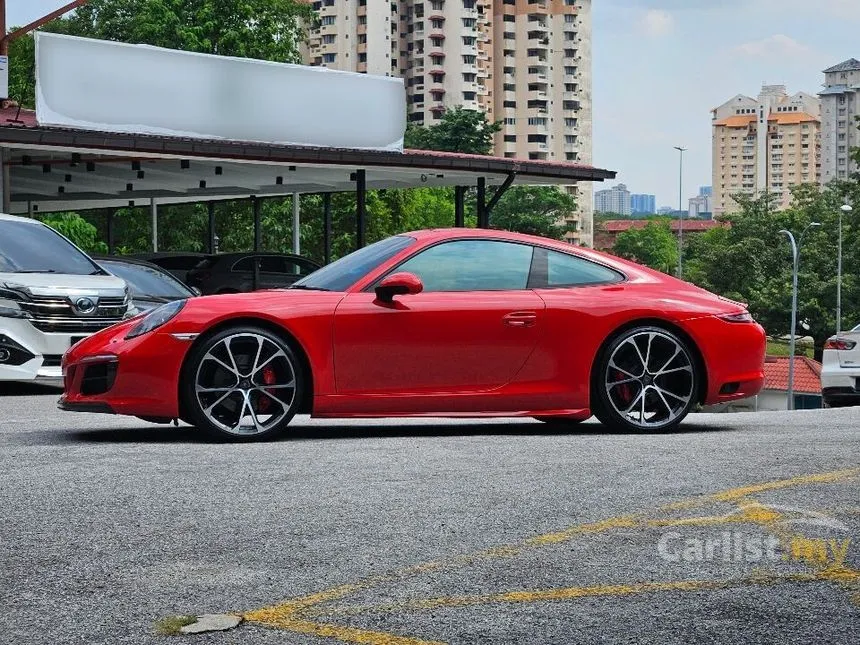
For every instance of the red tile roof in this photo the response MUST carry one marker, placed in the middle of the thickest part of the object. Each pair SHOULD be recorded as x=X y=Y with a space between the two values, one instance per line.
x=692 y=225
x=807 y=374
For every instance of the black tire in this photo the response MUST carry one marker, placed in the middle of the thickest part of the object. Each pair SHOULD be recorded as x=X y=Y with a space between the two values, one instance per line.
x=669 y=384
x=259 y=389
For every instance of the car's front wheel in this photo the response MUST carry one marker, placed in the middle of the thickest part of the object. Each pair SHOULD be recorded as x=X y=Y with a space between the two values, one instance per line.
x=242 y=384
x=646 y=381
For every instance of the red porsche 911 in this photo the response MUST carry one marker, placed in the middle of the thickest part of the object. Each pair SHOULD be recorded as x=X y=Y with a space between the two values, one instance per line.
x=448 y=323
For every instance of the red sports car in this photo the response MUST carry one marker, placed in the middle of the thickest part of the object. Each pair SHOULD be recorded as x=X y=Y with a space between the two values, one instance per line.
x=459 y=322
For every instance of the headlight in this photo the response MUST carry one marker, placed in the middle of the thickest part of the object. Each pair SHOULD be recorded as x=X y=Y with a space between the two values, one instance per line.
x=156 y=318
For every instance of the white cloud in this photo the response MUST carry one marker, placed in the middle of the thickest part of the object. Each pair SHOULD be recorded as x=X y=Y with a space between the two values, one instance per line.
x=777 y=46
x=657 y=23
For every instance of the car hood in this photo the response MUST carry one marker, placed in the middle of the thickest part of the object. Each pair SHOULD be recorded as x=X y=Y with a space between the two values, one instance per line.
x=54 y=284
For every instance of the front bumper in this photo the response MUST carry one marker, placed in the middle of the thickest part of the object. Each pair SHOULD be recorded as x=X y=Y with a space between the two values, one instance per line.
x=137 y=377
x=27 y=354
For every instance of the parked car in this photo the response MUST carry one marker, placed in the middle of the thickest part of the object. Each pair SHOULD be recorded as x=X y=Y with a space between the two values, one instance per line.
x=840 y=372
x=234 y=272
x=177 y=264
x=52 y=295
x=458 y=322
x=150 y=285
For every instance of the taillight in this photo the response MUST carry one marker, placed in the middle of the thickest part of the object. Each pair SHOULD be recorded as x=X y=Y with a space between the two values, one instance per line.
x=840 y=344
x=739 y=317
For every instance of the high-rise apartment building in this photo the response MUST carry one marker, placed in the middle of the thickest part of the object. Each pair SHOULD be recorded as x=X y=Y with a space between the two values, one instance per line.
x=526 y=63
x=840 y=106
x=764 y=144
x=613 y=200
x=643 y=204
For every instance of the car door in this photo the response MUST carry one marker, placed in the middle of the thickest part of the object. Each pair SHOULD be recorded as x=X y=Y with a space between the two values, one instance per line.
x=471 y=329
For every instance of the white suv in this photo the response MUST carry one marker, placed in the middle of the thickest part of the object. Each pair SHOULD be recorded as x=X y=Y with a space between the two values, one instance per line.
x=51 y=295
x=840 y=372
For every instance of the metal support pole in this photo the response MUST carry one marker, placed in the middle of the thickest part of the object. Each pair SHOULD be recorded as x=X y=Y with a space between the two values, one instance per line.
x=297 y=229
x=459 y=206
x=360 y=207
x=210 y=210
x=153 y=214
x=327 y=227
x=500 y=192
x=256 y=206
x=795 y=250
x=5 y=181
x=258 y=238
x=843 y=209
x=482 y=203
x=793 y=338
x=681 y=211
x=110 y=231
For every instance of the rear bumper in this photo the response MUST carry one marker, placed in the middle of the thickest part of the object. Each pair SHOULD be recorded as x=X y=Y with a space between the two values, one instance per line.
x=734 y=357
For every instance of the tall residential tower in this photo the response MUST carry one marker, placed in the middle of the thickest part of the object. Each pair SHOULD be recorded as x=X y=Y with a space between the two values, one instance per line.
x=764 y=145
x=526 y=63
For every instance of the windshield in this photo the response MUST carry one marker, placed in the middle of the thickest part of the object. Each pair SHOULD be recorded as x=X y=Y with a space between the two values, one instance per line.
x=30 y=247
x=147 y=281
x=342 y=274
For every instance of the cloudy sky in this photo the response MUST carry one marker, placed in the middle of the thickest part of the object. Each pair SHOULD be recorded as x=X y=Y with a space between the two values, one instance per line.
x=660 y=66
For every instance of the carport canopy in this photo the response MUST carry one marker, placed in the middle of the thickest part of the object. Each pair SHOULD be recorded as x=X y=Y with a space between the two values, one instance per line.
x=53 y=169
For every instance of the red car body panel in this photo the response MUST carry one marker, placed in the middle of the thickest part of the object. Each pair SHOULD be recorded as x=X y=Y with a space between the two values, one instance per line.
x=503 y=353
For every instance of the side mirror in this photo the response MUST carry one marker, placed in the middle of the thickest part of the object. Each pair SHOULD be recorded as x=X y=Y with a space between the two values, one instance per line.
x=398 y=284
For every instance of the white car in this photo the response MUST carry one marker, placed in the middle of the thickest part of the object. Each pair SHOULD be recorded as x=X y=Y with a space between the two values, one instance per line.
x=840 y=373
x=51 y=296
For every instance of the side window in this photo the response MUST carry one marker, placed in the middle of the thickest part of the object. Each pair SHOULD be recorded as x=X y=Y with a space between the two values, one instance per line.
x=245 y=264
x=565 y=270
x=272 y=264
x=472 y=265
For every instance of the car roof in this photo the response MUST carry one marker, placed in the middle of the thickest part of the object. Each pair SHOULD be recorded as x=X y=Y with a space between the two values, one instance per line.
x=242 y=254
x=15 y=218
x=439 y=234
x=126 y=260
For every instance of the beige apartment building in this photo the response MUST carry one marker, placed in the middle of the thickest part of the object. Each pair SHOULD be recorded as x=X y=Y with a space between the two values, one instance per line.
x=526 y=63
x=764 y=144
x=840 y=107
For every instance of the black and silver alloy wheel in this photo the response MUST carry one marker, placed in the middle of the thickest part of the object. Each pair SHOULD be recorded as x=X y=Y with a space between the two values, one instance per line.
x=242 y=384
x=647 y=381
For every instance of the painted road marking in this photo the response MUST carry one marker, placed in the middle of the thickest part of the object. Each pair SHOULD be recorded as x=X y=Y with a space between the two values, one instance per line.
x=826 y=558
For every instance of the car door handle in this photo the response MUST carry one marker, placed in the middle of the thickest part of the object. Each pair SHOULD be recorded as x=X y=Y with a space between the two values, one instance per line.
x=520 y=319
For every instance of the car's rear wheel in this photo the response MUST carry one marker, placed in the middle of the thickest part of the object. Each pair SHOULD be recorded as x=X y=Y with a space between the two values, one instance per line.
x=242 y=384
x=646 y=381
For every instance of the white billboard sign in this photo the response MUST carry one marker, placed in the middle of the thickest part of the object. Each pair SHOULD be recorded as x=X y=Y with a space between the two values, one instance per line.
x=138 y=89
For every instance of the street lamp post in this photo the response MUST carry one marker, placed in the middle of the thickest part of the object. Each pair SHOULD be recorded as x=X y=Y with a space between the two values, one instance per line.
x=795 y=252
x=845 y=208
x=681 y=211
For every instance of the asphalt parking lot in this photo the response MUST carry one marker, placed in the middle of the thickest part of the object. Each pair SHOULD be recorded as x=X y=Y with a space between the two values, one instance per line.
x=740 y=529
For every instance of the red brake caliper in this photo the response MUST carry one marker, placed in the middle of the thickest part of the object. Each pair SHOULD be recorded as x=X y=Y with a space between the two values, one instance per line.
x=269 y=379
x=625 y=388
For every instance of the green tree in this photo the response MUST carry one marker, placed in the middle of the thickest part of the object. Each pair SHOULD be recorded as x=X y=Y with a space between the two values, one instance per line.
x=261 y=29
x=78 y=230
x=459 y=130
x=536 y=210
x=751 y=262
x=653 y=245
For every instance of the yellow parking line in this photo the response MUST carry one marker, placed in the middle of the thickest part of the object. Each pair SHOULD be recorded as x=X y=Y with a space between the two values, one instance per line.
x=292 y=614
